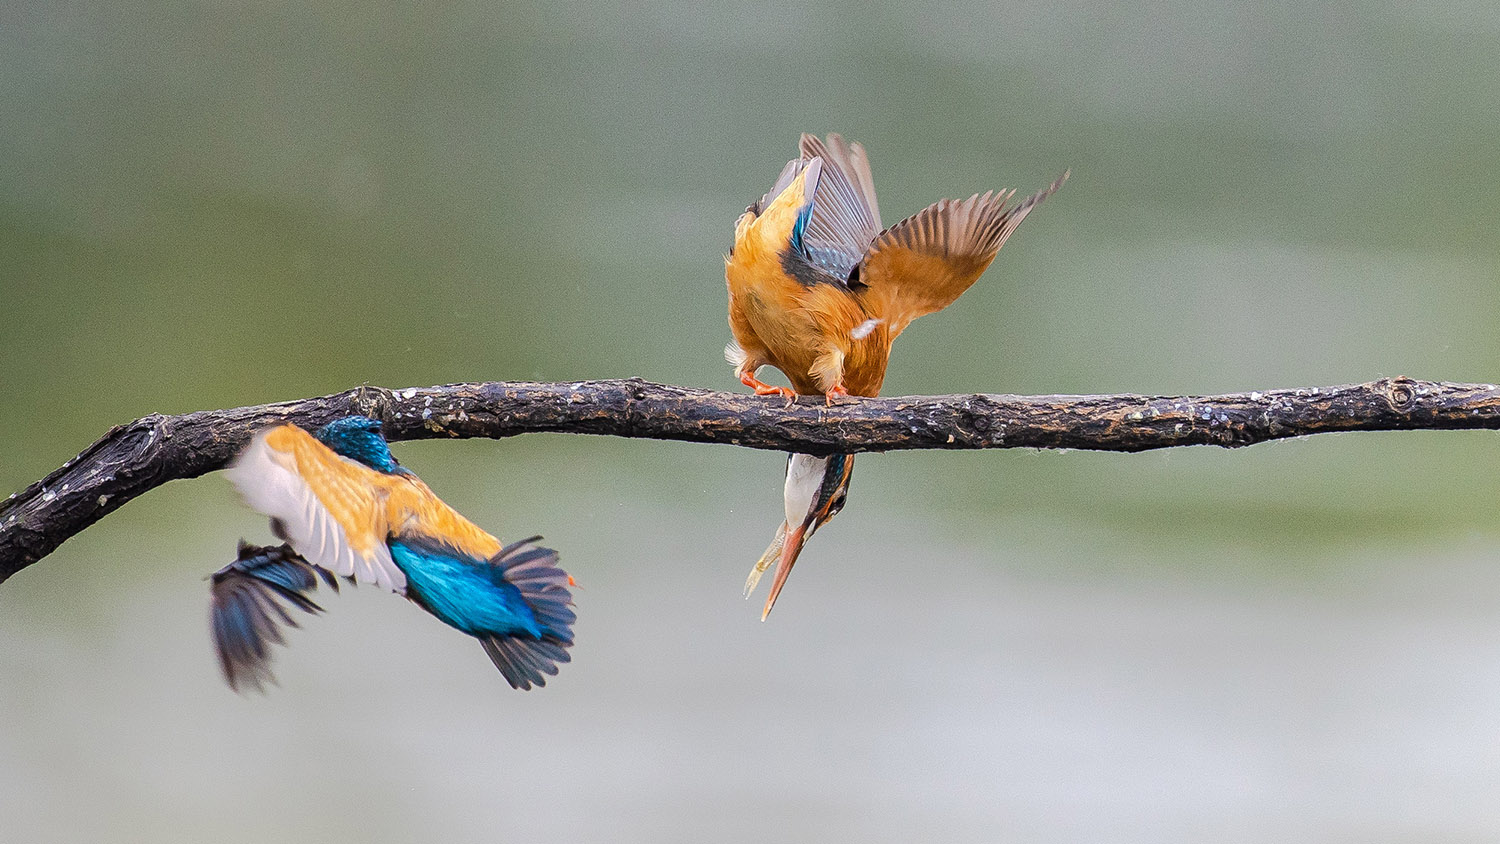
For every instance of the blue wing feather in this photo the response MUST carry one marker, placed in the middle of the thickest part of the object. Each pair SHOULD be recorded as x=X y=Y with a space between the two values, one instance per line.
x=249 y=602
x=799 y=228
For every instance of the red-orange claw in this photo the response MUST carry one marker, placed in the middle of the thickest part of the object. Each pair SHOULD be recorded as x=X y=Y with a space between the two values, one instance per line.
x=761 y=388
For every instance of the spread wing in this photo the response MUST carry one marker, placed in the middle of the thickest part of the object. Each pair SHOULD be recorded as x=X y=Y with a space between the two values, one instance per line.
x=923 y=263
x=845 y=217
x=333 y=511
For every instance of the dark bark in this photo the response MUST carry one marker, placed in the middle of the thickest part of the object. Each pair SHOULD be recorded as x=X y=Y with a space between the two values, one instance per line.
x=131 y=459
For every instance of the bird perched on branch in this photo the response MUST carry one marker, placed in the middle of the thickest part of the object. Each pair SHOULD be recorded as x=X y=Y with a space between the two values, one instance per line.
x=819 y=291
x=345 y=507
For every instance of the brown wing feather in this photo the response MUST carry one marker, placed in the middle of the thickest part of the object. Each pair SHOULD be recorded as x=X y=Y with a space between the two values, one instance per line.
x=923 y=263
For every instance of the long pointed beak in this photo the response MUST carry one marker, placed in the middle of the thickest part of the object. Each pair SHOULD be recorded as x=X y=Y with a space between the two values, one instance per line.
x=789 y=551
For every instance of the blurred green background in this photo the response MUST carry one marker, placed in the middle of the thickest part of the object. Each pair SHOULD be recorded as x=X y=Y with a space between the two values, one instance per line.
x=205 y=205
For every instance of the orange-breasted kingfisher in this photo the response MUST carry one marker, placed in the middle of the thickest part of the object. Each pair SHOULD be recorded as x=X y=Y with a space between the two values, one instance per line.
x=818 y=290
x=345 y=507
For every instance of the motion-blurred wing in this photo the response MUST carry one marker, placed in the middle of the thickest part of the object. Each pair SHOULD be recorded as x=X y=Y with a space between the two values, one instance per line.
x=923 y=263
x=332 y=510
x=778 y=221
x=250 y=600
x=414 y=513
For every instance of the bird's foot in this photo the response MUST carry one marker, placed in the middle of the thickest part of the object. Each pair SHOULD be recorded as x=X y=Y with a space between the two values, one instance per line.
x=761 y=388
x=834 y=394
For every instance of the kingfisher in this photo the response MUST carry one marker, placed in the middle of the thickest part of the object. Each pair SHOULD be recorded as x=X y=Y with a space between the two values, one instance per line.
x=345 y=507
x=819 y=290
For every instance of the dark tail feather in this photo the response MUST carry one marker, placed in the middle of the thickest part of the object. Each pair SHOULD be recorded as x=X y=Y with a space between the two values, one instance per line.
x=523 y=660
x=248 y=599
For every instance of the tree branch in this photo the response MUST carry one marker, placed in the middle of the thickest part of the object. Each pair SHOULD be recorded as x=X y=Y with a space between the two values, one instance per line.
x=132 y=459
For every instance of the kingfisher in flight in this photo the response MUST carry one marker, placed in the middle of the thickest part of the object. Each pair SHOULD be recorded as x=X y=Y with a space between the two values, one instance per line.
x=819 y=290
x=346 y=508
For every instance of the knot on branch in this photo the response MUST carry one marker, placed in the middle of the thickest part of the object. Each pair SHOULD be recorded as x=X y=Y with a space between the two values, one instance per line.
x=1401 y=393
x=634 y=391
x=374 y=402
x=142 y=444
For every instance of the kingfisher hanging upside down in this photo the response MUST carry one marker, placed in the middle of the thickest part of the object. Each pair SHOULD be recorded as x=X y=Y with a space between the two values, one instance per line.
x=345 y=507
x=819 y=291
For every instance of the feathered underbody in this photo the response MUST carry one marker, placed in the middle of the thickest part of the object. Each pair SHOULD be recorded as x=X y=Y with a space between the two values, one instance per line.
x=346 y=507
x=818 y=290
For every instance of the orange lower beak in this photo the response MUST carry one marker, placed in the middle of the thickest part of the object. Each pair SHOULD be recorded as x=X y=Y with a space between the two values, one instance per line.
x=794 y=539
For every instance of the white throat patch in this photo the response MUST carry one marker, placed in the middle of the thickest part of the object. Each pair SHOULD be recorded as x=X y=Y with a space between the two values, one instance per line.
x=804 y=476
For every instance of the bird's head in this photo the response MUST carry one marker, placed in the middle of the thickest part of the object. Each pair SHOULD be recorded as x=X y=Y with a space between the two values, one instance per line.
x=358 y=438
x=816 y=488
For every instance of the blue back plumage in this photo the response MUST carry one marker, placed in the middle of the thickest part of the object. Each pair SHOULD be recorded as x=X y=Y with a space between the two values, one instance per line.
x=517 y=604
x=466 y=593
x=359 y=438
